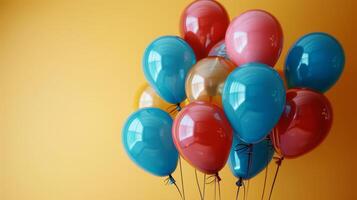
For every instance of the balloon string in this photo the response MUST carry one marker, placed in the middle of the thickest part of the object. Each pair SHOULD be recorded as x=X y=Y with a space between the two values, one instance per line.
x=182 y=185
x=198 y=185
x=248 y=183
x=278 y=163
x=265 y=181
x=204 y=185
x=243 y=190
x=219 y=189
x=178 y=190
x=237 y=194
x=239 y=184
x=250 y=151
x=171 y=106
x=174 y=108
x=214 y=189
x=171 y=180
x=266 y=169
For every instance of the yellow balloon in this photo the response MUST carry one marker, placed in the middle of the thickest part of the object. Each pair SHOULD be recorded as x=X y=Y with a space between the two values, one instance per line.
x=147 y=97
x=206 y=79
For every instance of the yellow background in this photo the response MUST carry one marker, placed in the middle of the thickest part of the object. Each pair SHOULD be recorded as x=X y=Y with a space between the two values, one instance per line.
x=69 y=71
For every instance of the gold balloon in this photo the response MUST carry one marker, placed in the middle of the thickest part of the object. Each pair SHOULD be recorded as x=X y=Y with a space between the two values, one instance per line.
x=147 y=97
x=206 y=79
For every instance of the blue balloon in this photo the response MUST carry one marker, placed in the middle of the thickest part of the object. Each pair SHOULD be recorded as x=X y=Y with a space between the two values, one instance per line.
x=148 y=141
x=260 y=156
x=166 y=63
x=315 y=61
x=219 y=50
x=253 y=100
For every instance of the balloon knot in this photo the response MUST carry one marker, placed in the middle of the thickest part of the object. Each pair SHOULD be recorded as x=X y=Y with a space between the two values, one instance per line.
x=268 y=138
x=279 y=160
x=178 y=107
x=239 y=183
x=171 y=180
x=217 y=177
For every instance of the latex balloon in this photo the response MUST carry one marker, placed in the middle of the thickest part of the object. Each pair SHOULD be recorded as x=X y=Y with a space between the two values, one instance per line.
x=148 y=141
x=166 y=63
x=219 y=50
x=260 y=156
x=147 y=98
x=206 y=79
x=254 y=36
x=203 y=24
x=305 y=123
x=203 y=136
x=253 y=100
x=315 y=61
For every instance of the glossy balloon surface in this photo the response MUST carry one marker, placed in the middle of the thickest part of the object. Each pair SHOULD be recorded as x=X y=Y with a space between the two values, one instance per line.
x=147 y=98
x=203 y=24
x=148 y=141
x=315 y=61
x=203 y=136
x=254 y=36
x=205 y=80
x=305 y=123
x=260 y=156
x=219 y=50
x=166 y=63
x=253 y=100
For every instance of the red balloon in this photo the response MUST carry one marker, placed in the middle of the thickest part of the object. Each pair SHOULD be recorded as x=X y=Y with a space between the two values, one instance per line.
x=203 y=136
x=304 y=124
x=254 y=36
x=203 y=24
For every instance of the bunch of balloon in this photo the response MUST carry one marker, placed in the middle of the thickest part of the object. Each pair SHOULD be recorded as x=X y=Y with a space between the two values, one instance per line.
x=214 y=96
x=200 y=133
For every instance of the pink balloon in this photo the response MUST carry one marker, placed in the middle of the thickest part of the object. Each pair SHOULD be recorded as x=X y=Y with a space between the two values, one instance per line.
x=254 y=36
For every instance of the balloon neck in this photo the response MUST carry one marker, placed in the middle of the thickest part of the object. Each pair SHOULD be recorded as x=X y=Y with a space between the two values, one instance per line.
x=279 y=160
x=268 y=138
x=171 y=180
x=218 y=177
x=178 y=107
x=239 y=183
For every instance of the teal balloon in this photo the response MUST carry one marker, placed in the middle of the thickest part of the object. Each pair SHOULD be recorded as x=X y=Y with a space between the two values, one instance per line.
x=253 y=99
x=148 y=141
x=315 y=61
x=166 y=62
x=260 y=156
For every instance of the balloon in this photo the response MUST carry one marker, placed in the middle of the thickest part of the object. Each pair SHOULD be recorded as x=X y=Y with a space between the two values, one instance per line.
x=148 y=141
x=203 y=136
x=260 y=156
x=203 y=24
x=219 y=50
x=305 y=123
x=166 y=63
x=253 y=100
x=315 y=61
x=206 y=79
x=254 y=36
x=147 y=98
